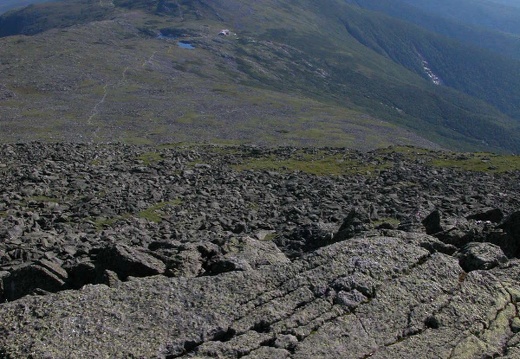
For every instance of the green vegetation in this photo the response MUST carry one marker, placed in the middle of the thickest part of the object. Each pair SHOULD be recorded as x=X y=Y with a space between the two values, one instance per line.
x=409 y=46
x=477 y=35
x=36 y=19
x=474 y=161
x=481 y=162
x=316 y=164
x=269 y=237
x=102 y=223
x=150 y=158
x=153 y=213
x=486 y=14
x=14 y=4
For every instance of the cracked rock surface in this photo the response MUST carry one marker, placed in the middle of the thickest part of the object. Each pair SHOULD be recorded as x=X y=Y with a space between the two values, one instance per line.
x=132 y=252
x=374 y=296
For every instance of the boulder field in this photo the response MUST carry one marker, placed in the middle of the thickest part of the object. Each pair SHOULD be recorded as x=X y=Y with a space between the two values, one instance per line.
x=117 y=251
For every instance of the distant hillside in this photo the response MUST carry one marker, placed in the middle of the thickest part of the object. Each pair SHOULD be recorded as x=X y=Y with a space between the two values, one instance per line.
x=478 y=73
x=299 y=73
x=35 y=19
x=496 y=41
x=7 y=5
x=496 y=15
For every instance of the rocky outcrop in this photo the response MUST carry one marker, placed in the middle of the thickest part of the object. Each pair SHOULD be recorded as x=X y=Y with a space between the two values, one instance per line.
x=374 y=296
x=120 y=252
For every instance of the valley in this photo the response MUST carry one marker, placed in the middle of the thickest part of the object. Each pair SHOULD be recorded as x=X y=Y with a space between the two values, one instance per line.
x=289 y=76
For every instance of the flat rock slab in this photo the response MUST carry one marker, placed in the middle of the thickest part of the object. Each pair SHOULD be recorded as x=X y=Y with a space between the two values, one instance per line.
x=377 y=297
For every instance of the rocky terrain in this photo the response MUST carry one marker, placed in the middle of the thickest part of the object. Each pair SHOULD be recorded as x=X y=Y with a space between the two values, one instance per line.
x=229 y=252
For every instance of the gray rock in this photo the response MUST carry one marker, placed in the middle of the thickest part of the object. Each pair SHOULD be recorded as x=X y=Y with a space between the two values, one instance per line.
x=92 y=209
x=475 y=256
x=288 y=342
x=127 y=261
x=253 y=251
x=432 y=223
x=275 y=310
x=27 y=278
x=110 y=278
x=357 y=221
x=494 y=215
x=306 y=238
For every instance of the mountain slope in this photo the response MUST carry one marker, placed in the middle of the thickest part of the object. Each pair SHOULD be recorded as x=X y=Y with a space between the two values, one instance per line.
x=496 y=41
x=478 y=73
x=491 y=14
x=293 y=73
x=35 y=19
x=7 y=5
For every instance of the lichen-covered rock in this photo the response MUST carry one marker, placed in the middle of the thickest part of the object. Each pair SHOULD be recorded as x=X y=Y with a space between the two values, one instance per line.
x=304 y=309
x=475 y=256
x=127 y=261
x=43 y=275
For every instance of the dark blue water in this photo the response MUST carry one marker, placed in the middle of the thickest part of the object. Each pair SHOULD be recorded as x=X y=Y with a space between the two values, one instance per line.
x=185 y=45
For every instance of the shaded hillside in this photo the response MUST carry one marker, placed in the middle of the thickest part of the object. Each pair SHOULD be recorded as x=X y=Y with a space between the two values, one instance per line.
x=7 y=5
x=485 y=13
x=34 y=19
x=493 y=40
x=478 y=73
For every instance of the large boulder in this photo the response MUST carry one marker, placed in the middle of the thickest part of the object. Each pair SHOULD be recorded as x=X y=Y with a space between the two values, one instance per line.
x=306 y=238
x=494 y=215
x=483 y=256
x=245 y=253
x=28 y=278
x=127 y=261
x=357 y=221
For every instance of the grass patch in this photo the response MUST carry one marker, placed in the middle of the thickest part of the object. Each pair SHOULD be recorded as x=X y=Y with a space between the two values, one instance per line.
x=34 y=113
x=270 y=237
x=149 y=158
x=153 y=213
x=315 y=164
x=188 y=118
x=167 y=146
x=102 y=223
x=479 y=162
x=137 y=141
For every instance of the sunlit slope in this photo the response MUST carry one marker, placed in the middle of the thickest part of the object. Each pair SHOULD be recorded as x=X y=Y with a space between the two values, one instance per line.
x=289 y=72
